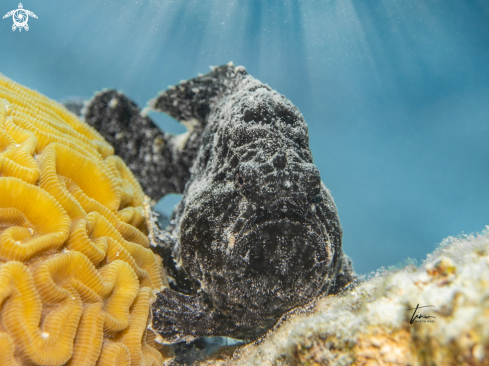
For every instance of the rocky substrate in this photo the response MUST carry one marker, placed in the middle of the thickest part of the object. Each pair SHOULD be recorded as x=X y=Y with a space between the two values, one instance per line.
x=375 y=321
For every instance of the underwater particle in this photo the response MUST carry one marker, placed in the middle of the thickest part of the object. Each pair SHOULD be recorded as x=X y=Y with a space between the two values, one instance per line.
x=76 y=273
x=257 y=233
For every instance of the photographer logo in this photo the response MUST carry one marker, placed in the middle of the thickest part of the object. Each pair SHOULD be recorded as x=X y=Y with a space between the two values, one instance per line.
x=417 y=317
x=20 y=17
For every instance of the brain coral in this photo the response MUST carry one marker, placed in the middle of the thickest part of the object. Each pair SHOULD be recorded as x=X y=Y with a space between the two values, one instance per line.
x=77 y=276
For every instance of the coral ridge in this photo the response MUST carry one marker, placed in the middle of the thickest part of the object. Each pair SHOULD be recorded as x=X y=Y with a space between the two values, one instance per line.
x=77 y=277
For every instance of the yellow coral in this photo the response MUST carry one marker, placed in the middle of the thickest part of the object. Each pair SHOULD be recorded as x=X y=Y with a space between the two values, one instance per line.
x=77 y=277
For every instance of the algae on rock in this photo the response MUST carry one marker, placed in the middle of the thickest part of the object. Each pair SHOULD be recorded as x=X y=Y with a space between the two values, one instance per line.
x=370 y=323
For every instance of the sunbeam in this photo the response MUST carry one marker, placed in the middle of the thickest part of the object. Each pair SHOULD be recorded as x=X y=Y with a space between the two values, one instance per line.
x=394 y=92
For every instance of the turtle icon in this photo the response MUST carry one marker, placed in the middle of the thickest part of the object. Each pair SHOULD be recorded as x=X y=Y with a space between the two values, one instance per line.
x=20 y=17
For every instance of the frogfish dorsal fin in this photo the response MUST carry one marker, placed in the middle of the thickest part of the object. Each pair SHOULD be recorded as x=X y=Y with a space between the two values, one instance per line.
x=193 y=99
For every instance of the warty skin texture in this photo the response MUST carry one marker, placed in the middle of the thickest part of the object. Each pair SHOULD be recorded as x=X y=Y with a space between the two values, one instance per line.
x=257 y=233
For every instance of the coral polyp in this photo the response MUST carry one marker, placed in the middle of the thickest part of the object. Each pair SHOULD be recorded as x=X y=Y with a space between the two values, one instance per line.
x=77 y=276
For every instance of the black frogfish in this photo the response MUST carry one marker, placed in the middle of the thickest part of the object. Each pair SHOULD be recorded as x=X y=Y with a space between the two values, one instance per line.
x=257 y=232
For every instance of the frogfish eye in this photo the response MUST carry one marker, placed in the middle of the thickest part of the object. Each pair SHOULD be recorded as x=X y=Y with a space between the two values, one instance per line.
x=240 y=180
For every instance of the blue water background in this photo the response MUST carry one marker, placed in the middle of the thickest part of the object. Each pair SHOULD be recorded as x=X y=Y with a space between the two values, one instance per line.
x=395 y=92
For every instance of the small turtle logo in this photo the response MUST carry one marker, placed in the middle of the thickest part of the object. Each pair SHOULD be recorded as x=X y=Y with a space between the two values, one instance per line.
x=20 y=16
